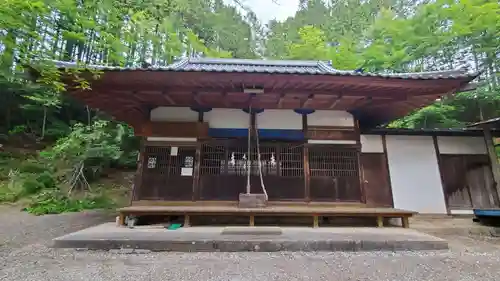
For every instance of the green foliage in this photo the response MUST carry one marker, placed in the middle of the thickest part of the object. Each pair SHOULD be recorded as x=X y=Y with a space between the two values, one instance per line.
x=56 y=202
x=70 y=135
x=374 y=35
x=402 y=36
x=98 y=146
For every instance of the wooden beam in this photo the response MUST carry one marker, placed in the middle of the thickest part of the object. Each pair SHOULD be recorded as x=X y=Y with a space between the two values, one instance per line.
x=306 y=102
x=196 y=98
x=332 y=91
x=168 y=98
x=225 y=99
x=335 y=102
x=280 y=100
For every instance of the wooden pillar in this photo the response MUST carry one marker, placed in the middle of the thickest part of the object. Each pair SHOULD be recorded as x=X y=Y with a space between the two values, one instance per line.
x=252 y=220
x=362 y=184
x=315 y=221
x=405 y=222
x=121 y=219
x=307 y=175
x=137 y=185
x=196 y=172
x=197 y=162
x=380 y=221
x=440 y=168
x=386 y=159
x=495 y=167
x=307 y=171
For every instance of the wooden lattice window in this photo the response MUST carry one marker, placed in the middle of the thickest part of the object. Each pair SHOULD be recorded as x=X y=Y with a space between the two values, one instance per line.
x=229 y=159
x=328 y=162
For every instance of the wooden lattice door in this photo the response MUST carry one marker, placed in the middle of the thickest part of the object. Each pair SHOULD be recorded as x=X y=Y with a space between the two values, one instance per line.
x=223 y=170
x=334 y=173
x=167 y=172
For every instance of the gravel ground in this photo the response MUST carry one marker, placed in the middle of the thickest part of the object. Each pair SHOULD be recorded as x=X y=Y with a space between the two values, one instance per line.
x=25 y=255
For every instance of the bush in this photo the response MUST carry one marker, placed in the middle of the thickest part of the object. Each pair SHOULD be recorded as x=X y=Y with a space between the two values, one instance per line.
x=56 y=202
x=128 y=160
x=9 y=196
x=46 y=179
x=32 y=166
x=31 y=186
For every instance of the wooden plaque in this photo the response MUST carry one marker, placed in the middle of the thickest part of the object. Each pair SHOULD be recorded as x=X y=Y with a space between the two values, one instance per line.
x=174 y=129
x=332 y=133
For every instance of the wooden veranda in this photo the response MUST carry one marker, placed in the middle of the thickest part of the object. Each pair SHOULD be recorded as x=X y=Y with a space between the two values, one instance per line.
x=316 y=212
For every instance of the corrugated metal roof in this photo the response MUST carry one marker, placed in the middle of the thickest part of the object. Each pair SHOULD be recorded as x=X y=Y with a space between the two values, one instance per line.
x=273 y=66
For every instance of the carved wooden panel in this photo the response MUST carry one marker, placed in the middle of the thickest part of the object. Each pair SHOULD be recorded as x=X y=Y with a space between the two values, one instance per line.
x=332 y=133
x=174 y=129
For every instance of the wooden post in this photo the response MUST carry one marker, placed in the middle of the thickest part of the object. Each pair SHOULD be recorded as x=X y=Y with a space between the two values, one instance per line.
x=440 y=168
x=196 y=172
x=121 y=219
x=495 y=167
x=307 y=171
x=187 y=223
x=137 y=185
x=406 y=222
x=360 y=175
x=380 y=221
x=307 y=175
x=252 y=220
x=362 y=184
x=315 y=221
x=386 y=159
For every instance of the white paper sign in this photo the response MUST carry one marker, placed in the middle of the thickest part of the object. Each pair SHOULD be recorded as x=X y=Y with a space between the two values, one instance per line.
x=187 y=172
x=174 y=150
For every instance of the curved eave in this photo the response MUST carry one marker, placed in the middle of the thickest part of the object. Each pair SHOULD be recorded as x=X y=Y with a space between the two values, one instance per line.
x=305 y=69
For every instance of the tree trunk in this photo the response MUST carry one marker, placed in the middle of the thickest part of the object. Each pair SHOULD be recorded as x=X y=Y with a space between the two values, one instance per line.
x=44 y=122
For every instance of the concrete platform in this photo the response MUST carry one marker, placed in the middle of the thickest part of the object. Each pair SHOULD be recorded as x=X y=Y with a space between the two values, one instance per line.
x=219 y=239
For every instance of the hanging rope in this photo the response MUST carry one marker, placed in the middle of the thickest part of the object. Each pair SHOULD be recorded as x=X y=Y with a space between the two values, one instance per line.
x=249 y=158
x=258 y=158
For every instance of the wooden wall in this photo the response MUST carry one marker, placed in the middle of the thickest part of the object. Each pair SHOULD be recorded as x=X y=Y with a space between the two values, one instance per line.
x=376 y=180
x=375 y=173
x=467 y=181
x=466 y=174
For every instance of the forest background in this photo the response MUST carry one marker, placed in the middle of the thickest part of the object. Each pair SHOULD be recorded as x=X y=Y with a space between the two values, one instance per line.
x=59 y=155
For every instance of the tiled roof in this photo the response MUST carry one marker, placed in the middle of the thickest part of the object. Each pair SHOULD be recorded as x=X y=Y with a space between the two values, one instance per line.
x=429 y=132
x=490 y=122
x=273 y=66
